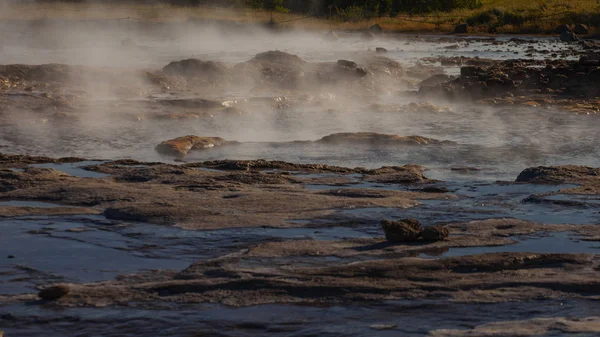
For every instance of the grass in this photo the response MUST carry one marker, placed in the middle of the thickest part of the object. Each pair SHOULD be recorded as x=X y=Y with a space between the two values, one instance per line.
x=505 y=16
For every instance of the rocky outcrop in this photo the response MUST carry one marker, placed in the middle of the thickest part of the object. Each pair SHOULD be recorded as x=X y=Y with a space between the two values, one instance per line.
x=559 y=174
x=568 y=36
x=435 y=233
x=181 y=146
x=372 y=138
x=405 y=230
x=410 y=230
x=581 y=29
x=193 y=68
x=53 y=293
x=522 y=78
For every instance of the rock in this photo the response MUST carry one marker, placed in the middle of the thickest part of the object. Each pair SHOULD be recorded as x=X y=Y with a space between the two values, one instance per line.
x=435 y=233
x=435 y=80
x=348 y=64
x=11 y=256
x=581 y=29
x=381 y=50
x=461 y=29
x=361 y=72
x=373 y=138
x=181 y=146
x=561 y=29
x=405 y=230
x=568 y=36
x=54 y=292
x=559 y=174
x=376 y=29
x=470 y=71
x=276 y=56
x=192 y=68
x=435 y=189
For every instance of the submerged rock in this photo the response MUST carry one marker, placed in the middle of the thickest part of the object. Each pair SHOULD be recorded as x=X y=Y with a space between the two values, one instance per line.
x=435 y=233
x=381 y=50
x=182 y=145
x=54 y=292
x=405 y=230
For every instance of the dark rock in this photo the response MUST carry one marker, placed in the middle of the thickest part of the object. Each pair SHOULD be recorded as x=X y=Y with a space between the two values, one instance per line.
x=561 y=29
x=568 y=37
x=376 y=29
x=435 y=80
x=401 y=231
x=191 y=68
x=558 y=174
x=348 y=64
x=381 y=50
x=435 y=233
x=461 y=29
x=581 y=29
x=277 y=56
x=11 y=256
x=470 y=71
x=361 y=72
x=54 y=292
x=434 y=189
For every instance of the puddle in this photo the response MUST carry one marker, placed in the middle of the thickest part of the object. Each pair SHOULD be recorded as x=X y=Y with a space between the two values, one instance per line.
x=75 y=169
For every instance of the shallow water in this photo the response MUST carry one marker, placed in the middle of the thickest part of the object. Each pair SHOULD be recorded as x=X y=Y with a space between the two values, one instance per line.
x=406 y=318
x=499 y=141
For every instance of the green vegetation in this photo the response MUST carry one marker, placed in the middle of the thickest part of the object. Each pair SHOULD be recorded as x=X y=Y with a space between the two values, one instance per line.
x=503 y=16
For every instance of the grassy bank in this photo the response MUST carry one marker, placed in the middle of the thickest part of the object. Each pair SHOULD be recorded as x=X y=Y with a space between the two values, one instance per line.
x=505 y=16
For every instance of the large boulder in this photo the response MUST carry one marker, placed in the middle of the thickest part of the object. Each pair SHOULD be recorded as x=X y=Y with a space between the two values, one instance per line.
x=461 y=29
x=179 y=147
x=435 y=233
x=53 y=293
x=376 y=29
x=561 y=29
x=373 y=138
x=581 y=29
x=559 y=174
x=276 y=56
x=193 y=68
x=568 y=36
x=405 y=230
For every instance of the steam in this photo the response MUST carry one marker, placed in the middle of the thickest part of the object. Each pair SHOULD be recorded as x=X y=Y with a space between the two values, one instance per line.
x=111 y=109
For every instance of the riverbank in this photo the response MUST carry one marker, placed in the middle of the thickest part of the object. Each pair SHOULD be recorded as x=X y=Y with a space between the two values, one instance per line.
x=496 y=16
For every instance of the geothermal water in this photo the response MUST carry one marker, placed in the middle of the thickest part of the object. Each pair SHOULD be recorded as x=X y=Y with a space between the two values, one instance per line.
x=500 y=141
